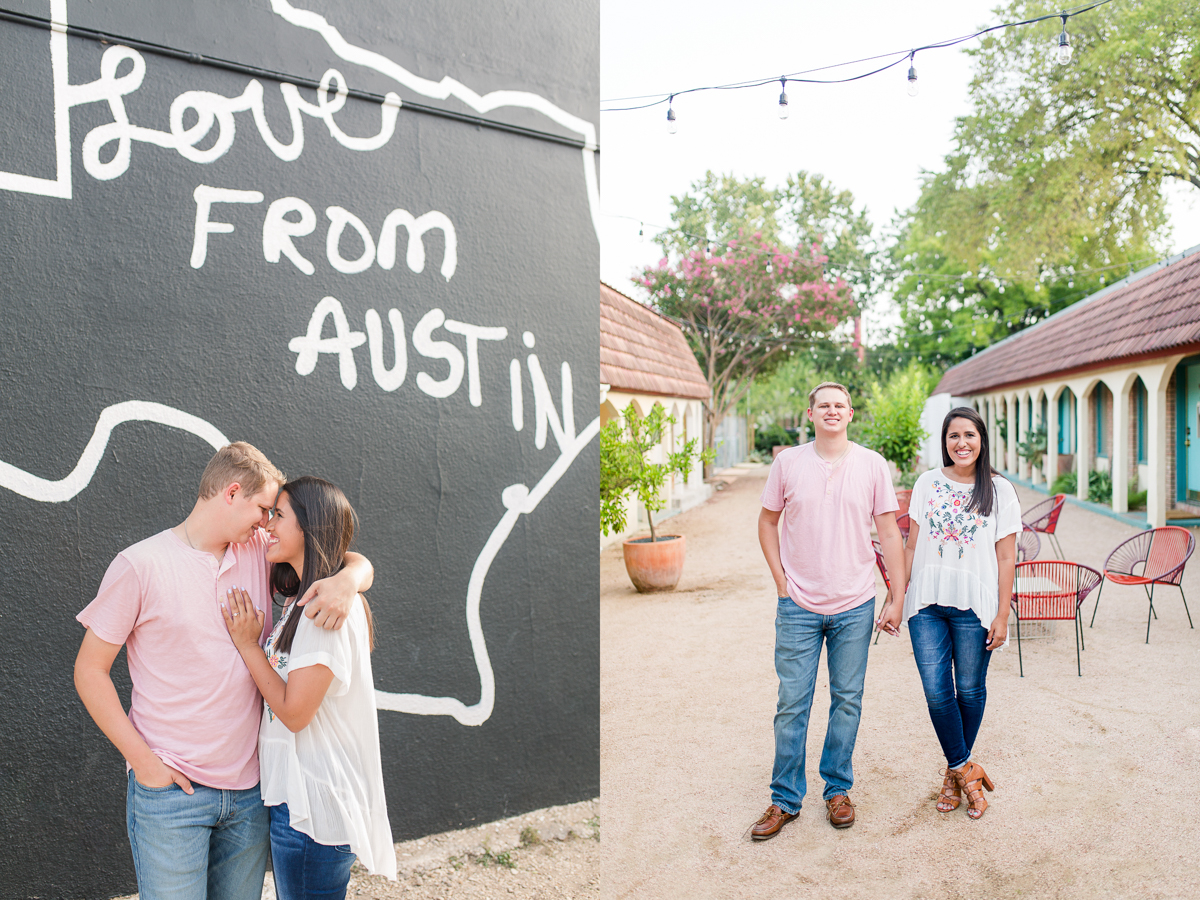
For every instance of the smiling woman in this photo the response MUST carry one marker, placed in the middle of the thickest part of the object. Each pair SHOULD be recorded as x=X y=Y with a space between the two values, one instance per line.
x=961 y=556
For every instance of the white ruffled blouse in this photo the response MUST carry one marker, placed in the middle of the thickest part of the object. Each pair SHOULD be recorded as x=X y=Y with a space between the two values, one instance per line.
x=954 y=563
x=329 y=773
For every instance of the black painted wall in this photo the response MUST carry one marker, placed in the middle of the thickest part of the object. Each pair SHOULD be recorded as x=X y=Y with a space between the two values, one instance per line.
x=103 y=303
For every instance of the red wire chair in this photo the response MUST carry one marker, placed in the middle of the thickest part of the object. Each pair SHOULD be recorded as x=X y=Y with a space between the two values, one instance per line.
x=1028 y=545
x=903 y=522
x=1153 y=557
x=1043 y=518
x=882 y=571
x=1052 y=590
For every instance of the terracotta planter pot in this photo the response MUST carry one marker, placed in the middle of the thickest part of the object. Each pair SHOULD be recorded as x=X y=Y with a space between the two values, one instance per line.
x=903 y=497
x=656 y=566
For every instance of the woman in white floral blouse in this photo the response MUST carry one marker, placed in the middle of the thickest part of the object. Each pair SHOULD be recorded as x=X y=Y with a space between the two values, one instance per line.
x=961 y=555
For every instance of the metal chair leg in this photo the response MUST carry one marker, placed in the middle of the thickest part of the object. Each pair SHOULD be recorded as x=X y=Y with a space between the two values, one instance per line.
x=1148 y=588
x=1057 y=546
x=1097 y=606
x=1079 y=633
x=1185 y=608
x=1151 y=613
x=1020 y=660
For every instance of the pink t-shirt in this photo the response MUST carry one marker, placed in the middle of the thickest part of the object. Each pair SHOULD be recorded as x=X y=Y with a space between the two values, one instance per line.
x=194 y=702
x=825 y=532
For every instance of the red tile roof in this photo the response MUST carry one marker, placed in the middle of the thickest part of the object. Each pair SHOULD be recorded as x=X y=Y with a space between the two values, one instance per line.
x=643 y=352
x=1153 y=312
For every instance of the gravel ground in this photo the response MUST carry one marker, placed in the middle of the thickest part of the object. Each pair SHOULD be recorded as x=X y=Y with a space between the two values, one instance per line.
x=548 y=854
x=1093 y=775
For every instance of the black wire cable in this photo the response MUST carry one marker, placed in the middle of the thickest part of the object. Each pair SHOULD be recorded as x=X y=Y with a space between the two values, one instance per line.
x=795 y=77
x=302 y=81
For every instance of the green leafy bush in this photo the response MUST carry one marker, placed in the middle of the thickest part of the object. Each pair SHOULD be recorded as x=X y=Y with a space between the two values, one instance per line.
x=1033 y=448
x=894 y=429
x=768 y=436
x=1065 y=483
x=1099 y=487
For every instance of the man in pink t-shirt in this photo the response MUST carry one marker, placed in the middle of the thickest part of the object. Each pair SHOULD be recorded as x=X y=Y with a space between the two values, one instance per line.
x=197 y=825
x=815 y=531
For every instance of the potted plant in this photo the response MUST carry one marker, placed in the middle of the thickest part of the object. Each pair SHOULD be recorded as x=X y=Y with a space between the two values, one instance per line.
x=653 y=563
x=894 y=429
x=1033 y=448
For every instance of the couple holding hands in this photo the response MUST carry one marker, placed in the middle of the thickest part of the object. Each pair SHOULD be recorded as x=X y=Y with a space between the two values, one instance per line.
x=243 y=739
x=958 y=566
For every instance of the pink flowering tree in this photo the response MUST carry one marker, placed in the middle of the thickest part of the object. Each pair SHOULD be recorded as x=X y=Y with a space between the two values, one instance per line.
x=745 y=310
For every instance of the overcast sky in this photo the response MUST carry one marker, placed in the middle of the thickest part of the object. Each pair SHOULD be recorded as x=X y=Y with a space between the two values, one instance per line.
x=869 y=136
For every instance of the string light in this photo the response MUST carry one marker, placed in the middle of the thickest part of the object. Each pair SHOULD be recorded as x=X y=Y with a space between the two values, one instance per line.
x=893 y=59
x=1064 y=44
x=672 y=125
x=783 y=101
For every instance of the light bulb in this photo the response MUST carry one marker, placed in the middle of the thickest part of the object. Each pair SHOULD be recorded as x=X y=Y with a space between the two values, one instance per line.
x=1064 y=45
x=641 y=235
x=920 y=285
x=912 y=82
x=783 y=101
x=672 y=125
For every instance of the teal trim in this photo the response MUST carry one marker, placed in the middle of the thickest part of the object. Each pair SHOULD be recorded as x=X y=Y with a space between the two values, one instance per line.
x=1139 y=405
x=1100 y=390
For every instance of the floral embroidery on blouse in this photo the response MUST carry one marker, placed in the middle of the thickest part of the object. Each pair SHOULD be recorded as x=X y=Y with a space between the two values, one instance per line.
x=277 y=658
x=949 y=520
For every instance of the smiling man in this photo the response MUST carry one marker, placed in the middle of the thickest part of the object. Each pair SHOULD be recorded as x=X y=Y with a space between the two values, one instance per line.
x=825 y=494
x=197 y=825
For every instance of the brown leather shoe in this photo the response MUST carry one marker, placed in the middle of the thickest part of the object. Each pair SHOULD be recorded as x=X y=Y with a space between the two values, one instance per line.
x=770 y=823
x=839 y=811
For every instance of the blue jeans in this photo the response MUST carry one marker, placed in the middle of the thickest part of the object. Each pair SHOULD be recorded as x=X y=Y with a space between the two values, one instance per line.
x=798 y=637
x=303 y=868
x=211 y=844
x=949 y=646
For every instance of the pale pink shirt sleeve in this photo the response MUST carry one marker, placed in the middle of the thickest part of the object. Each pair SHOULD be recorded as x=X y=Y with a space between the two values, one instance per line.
x=885 y=494
x=115 y=609
x=772 y=495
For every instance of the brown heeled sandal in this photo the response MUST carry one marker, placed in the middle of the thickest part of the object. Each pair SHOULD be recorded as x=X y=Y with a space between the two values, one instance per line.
x=951 y=797
x=970 y=777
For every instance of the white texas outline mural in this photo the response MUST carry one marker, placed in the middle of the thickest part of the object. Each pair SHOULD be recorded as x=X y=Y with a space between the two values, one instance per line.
x=517 y=499
x=215 y=109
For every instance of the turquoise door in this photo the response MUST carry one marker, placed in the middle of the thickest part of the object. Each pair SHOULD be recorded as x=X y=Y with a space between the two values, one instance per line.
x=1191 y=435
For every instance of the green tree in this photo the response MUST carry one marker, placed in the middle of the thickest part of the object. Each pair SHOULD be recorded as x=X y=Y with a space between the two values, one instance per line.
x=716 y=211
x=1054 y=185
x=747 y=272
x=894 y=427
x=815 y=212
x=746 y=310
x=1062 y=166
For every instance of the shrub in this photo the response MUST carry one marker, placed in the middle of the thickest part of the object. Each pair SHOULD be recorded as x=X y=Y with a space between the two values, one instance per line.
x=895 y=411
x=1065 y=483
x=768 y=436
x=1099 y=487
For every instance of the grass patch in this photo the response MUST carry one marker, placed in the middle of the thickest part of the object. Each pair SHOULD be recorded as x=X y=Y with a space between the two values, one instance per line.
x=530 y=836
x=505 y=858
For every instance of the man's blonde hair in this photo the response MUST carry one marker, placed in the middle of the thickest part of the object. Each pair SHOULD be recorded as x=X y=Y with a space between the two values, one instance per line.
x=812 y=395
x=240 y=462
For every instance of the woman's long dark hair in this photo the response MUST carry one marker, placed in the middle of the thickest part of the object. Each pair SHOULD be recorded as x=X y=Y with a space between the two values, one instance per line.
x=983 y=495
x=328 y=521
